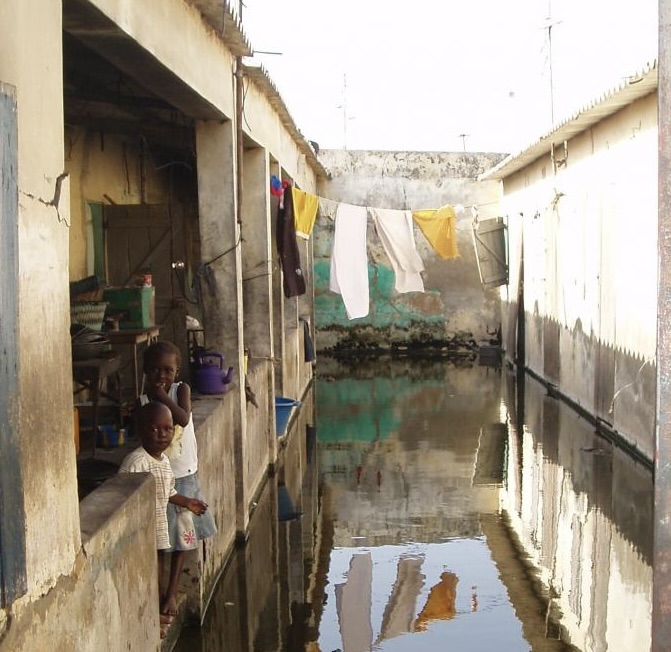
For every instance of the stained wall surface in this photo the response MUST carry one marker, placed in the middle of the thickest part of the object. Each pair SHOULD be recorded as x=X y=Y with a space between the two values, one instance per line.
x=454 y=309
x=581 y=306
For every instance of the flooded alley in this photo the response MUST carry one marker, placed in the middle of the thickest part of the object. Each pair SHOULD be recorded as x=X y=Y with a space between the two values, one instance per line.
x=439 y=505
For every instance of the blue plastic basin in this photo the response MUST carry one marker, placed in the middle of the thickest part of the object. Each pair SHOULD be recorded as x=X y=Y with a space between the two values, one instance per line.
x=283 y=407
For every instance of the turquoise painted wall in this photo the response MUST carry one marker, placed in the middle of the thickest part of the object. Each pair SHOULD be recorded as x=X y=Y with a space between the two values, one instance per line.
x=454 y=313
x=387 y=307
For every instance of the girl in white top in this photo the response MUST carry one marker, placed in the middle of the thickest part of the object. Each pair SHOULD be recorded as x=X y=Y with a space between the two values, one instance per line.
x=161 y=364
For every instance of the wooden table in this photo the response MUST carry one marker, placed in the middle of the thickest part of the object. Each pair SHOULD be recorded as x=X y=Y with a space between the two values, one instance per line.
x=90 y=374
x=133 y=339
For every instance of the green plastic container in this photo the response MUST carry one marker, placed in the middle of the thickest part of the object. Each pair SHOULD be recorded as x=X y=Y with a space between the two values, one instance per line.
x=136 y=306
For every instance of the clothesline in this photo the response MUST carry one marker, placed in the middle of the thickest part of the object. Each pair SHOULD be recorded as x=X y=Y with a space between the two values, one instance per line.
x=349 y=257
x=278 y=187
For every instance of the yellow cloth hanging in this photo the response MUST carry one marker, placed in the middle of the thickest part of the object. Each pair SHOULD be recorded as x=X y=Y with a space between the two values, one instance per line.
x=305 y=211
x=439 y=228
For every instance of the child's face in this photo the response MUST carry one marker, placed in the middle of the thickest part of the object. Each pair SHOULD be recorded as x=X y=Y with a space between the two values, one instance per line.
x=157 y=430
x=162 y=370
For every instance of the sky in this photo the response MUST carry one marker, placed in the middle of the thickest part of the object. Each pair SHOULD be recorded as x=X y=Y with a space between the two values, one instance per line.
x=444 y=75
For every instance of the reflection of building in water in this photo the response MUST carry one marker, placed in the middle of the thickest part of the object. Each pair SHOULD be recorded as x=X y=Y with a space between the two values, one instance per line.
x=353 y=603
x=399 y=614
x=441 y=603
x=581 y=511
x=402 y=458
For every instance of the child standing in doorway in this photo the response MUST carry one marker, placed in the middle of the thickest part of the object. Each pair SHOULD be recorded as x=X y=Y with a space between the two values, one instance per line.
x=162 y=361
x=155 y=429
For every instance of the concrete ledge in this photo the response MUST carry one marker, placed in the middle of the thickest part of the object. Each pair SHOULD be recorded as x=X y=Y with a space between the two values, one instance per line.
x=203 y=406
x=109 y=599
x=101 y=506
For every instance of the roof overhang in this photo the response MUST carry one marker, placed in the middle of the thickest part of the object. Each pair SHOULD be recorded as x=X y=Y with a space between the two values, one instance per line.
x=260 y=77
x=225 y=20
x=631 y=89
x=98 y=32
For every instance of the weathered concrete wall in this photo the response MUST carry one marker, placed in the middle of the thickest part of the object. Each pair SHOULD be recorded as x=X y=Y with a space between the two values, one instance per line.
x=454 y=308
x=215 y=433
x=109 y=598
x=175 y=54
x=260 y=448
x=115 y=170
x=586 y=239
x=30 y=59
x=176 y=35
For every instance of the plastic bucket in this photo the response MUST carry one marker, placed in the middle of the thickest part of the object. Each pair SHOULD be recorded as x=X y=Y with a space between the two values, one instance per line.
x=111 y=437
x=283 y=407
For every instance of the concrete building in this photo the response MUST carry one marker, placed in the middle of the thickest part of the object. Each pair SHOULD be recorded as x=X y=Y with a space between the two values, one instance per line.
x=455 y=311
x=132 y=136
x=580 y=309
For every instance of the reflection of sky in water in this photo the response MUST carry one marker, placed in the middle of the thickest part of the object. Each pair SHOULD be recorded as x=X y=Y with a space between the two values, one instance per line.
x=492 y=626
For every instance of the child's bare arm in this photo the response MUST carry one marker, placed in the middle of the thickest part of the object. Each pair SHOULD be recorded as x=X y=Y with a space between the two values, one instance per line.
x=181 y=410
x=193 y=504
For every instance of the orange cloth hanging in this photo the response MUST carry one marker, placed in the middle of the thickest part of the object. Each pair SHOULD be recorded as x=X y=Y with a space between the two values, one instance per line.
x=439 y=227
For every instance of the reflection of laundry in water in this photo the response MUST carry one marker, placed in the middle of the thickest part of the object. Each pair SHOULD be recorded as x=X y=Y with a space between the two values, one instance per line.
x=440 y=605
x=399 y=613
x=353 y=604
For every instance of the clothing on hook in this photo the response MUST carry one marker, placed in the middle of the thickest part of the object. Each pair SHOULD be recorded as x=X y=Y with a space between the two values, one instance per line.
x=293 y=277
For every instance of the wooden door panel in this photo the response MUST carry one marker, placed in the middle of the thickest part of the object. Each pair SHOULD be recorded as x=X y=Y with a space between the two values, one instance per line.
x=139 y=237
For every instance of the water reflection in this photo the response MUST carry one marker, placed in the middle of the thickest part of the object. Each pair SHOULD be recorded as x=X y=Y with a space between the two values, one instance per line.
x=440 y=507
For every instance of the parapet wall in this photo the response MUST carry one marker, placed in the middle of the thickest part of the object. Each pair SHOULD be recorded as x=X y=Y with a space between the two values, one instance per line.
x=454 y=311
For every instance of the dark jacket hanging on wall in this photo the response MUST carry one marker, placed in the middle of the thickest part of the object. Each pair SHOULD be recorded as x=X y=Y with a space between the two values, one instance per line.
x=294 y=280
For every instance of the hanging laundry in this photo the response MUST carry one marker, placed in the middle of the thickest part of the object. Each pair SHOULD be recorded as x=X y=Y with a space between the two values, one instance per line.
x=349 y=260
x=440 y=229
x=305 y=212
x=294 y=279
x=396 y=232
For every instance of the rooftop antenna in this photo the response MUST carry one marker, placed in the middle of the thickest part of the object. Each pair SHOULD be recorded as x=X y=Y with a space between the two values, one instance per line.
x=343 y=106
x=549 y=24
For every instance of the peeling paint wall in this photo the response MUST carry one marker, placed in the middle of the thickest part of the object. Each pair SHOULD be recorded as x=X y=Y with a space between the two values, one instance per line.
x=455 y=310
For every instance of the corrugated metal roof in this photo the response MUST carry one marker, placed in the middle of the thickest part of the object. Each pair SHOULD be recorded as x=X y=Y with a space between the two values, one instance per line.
x=259 y=75
x=635 y=86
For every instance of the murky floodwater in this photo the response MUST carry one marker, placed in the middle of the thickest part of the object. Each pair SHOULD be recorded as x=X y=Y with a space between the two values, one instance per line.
x=444 y=507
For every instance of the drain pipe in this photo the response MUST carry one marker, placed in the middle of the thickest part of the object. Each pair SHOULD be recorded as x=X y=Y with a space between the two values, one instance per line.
x=239 y=109
x=661 y=583
x=239 y=144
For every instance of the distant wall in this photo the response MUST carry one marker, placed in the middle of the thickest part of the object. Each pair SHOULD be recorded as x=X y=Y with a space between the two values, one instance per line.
x=454 y=310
